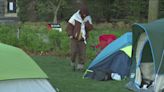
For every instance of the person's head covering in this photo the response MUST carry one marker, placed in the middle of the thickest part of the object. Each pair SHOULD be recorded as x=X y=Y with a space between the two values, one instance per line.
x=83 y=10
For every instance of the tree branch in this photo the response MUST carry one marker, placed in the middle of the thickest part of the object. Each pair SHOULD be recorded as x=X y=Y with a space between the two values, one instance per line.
x=56 y=11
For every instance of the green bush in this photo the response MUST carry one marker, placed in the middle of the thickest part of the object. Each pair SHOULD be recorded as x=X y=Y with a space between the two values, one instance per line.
x=60 y=42
x=36 y=38
x=8 y=34
x=33 y=38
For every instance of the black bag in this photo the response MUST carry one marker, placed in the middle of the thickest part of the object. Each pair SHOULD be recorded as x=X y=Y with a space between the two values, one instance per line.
x=101 y=75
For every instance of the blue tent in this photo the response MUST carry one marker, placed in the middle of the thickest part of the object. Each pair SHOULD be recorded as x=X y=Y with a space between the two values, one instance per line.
x=111 y=51
x=121 y=42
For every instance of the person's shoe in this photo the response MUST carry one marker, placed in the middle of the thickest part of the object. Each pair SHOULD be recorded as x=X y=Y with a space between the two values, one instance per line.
x=80 y=67
x=73 y=65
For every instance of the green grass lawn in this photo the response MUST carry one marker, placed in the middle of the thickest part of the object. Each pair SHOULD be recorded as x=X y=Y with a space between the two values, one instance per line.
x=62 y=77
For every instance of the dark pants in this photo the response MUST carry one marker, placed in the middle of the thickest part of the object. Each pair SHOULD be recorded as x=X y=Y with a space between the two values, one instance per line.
x=78 y=50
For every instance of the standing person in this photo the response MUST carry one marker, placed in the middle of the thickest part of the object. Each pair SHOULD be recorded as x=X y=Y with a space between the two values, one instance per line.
x=78 y=29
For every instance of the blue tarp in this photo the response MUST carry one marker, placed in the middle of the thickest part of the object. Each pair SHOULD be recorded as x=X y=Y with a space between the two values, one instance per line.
x=123 y=41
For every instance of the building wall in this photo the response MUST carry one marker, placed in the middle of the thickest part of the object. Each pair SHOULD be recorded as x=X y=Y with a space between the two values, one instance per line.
x=4 y=9
x=1 y=8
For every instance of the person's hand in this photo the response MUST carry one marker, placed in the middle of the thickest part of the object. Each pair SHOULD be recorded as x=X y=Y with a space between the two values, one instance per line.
x=71 y=37
x=88 y=26
x=87 y=23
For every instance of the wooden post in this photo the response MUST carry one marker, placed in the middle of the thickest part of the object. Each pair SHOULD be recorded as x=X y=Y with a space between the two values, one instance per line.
x=153 y=10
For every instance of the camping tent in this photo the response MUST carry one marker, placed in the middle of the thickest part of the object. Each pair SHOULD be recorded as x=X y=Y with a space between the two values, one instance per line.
x=147 y=57
x=111 y=57
x=19 y=73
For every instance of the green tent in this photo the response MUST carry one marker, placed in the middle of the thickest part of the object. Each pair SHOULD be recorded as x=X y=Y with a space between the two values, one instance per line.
x=19 y=73
x=147 y=57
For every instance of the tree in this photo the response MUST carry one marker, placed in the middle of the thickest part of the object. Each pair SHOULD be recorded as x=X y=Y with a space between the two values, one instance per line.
x=32 y=10
x=161 y=9
x=153 y=10
x=100 y=10
x=50 y=8
x=55 y=7
x=27 y=10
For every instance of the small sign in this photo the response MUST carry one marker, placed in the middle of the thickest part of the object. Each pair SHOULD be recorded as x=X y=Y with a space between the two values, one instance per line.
x=55 y=27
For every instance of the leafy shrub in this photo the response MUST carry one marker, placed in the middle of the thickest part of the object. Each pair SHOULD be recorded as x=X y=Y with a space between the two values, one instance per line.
x=36 y=38
x=60 y=41
x=33 y=38
x=8 y=34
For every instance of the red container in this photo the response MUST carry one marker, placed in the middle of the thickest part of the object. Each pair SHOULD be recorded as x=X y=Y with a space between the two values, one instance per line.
x=105 y=39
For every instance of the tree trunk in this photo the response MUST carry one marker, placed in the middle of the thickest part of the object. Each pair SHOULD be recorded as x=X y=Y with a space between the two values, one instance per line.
x=31 y=11
x=153 y=10
x=56 y=12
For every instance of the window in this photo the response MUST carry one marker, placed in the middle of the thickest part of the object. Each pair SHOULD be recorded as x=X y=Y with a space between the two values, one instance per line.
x=11 y=6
